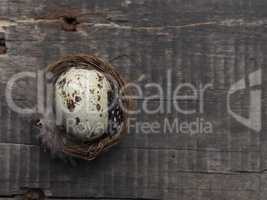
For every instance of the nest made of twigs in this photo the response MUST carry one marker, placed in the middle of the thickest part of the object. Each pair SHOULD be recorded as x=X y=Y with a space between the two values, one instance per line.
x=52 y=136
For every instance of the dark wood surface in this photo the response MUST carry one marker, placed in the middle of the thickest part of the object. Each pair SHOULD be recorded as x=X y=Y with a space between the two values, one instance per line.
x=201 y=41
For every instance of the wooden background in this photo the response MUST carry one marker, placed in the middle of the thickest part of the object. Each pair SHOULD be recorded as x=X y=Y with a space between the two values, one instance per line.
x=201 y=41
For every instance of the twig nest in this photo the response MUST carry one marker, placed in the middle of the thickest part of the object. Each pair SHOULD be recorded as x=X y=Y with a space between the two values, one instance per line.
x=88 y=110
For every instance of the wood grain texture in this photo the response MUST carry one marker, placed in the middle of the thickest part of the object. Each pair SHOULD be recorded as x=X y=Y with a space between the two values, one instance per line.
x=207 y=41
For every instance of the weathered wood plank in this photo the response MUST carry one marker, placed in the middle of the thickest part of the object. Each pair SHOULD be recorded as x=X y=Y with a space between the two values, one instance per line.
x=145 y=13
x=197 y=59
x=121 y=173
x=176 y=54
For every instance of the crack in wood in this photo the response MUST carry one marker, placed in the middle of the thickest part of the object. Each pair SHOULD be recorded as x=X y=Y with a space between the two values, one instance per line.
x=3 y=48
x=101 y=198
x=73 y=20
x=69 y=23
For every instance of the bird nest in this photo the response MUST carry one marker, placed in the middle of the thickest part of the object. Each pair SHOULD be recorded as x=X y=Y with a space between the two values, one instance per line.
x=54 y=137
